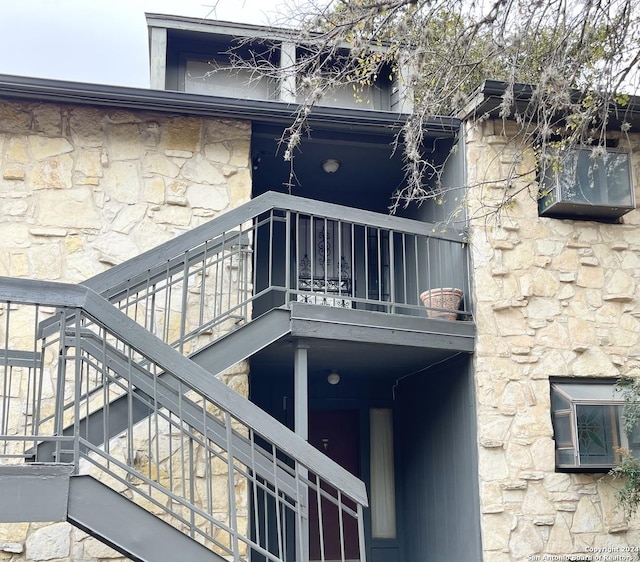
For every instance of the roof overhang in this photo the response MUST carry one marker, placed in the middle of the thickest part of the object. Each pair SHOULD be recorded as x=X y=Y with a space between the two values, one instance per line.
x=259 y=111
x=486 y=101
x=243 y=31
x=217 y=27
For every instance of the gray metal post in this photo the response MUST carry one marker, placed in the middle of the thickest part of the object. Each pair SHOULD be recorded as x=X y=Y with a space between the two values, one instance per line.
x=301 y=391
x=301 y=423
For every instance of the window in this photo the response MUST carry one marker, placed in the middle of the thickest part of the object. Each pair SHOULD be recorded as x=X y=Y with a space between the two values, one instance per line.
x=221 y=79
x=372 y=96
x=587 y=426
x=583 y=184
x=383 y=495
x=324 y=262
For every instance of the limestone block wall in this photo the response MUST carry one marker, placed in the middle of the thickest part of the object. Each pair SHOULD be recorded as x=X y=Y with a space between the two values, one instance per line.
x=552 y=298
x=84 y=188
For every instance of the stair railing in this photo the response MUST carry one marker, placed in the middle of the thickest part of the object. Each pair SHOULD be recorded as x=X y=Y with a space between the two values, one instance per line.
x=278 y=248
x=204 y=459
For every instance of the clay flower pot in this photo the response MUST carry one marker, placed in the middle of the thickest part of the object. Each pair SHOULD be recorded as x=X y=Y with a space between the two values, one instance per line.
x=442 y=303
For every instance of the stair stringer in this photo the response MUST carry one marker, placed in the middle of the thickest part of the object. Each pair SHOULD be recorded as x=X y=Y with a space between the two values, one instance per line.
x=49 y=492
x=128 y=528
x=34 y=492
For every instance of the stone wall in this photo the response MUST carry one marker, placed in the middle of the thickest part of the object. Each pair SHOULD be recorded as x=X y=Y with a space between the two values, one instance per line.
x=84 y=188
x=552 y=298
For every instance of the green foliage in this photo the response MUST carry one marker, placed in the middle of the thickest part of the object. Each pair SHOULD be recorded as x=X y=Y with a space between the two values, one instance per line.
x=629 y=467
x=629 y=493
x=630 y=390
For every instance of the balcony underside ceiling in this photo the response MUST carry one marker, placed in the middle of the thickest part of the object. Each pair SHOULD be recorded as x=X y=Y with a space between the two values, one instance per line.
x=371 y=166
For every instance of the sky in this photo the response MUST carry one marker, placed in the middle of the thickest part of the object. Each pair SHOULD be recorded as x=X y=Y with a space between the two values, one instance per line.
x=100 y=41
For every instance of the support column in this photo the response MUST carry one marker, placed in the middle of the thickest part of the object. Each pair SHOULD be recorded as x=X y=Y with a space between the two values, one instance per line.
x=301 y=392
x=158 y=58
x=301 y=426
x=288 y=86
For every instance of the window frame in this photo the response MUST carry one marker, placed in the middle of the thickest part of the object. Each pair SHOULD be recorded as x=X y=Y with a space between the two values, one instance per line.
x=221 y=64
x=560 y=390
x=555 y=203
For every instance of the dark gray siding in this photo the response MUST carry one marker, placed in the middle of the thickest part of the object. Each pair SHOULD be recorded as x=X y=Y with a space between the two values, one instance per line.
x=451 y=159
x=436 y=434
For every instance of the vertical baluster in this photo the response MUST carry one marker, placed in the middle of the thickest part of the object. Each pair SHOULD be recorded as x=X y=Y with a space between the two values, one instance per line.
x=203 y=285
x=6 y=383
x=233 y=521
x=276 y=496
x=361 y=541
x=271 y=262
x=287 y=256
x=320 y=518
x=341 y=526
x=60 y=383
x=392 y=272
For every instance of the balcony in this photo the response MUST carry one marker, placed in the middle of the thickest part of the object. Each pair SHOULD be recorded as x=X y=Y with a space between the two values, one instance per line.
x=338 y=268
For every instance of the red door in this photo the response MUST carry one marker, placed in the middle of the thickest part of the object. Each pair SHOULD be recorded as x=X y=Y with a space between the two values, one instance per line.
x=336 y=434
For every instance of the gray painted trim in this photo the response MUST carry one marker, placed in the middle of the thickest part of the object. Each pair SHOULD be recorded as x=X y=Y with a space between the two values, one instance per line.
x=486 y=100
x=311 y=321
x=263 y=111
x=30 y=291
x=34 y=492
x=127 y=527
x=217 y=27
x=244 y=342
x=288 y=86
x=301 y=391
x=17 y=358
x=157 y=58
x=240 y=31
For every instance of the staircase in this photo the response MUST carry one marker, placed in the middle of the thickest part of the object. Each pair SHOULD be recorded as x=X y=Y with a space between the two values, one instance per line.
x=201 y=458
x=108 y=397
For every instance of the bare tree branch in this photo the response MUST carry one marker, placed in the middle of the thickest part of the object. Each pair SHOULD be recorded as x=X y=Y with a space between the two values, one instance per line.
x=581 y=59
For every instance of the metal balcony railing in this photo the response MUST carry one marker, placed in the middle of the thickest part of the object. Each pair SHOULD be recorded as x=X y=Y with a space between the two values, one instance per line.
x=277 y=249
x=204 y=459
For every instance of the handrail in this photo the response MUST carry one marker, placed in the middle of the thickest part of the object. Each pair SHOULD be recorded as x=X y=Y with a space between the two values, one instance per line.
x=240 y=264
x=60 y=295
x=214 y=279
x=263 y=203
x=207 y=460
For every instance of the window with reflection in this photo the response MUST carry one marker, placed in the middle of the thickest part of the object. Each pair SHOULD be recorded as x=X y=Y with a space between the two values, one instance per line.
x=589 y=182
x=588 y=425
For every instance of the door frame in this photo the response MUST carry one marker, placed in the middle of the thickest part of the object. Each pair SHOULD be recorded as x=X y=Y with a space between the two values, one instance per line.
x=386 y=550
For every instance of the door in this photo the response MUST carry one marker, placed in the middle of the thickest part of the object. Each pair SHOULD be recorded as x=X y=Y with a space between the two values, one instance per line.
x=337 y=434
x=323 y=256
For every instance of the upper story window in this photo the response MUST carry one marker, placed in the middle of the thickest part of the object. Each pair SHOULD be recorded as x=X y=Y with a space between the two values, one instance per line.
x=373 y=93
x=221 y=58
x=219 y=77
x=588 y=183
x=588 y=426
x=213 y=67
